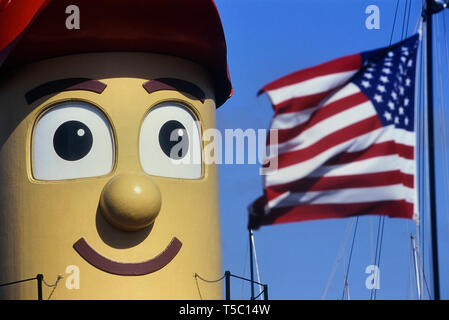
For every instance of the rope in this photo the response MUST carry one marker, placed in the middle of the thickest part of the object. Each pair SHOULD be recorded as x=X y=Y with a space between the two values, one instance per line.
x=350 y=258
x=54 y=285
x=197 y=276
x=198 y=287
x=208 y=281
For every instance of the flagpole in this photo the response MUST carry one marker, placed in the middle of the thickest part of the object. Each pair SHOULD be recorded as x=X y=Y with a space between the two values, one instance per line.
x=431 y=150
x=251 y=262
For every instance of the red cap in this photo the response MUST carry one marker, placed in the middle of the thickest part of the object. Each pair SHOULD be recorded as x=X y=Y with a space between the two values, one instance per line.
x=32 y=30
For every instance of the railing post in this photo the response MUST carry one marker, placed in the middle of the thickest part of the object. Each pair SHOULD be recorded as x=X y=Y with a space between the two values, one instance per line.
x=39 y=278
x=228 y=285
x=265 y=292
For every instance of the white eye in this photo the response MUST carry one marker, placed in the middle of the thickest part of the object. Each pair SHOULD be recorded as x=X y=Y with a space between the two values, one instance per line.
x=170 y=144
x=72 y=140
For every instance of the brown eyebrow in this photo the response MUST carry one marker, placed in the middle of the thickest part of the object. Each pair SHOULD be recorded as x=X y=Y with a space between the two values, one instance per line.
x=60 y=85
x=174 y=84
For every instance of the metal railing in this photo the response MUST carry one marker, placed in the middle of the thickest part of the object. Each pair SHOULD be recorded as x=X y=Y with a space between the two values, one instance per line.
x=39 y=278
x=228 y=275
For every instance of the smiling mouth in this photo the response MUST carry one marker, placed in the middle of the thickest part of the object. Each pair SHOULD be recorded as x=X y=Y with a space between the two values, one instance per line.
x=127 y=269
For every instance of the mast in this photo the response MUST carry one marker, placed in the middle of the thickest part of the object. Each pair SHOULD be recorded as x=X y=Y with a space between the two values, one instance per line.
x=432 y=7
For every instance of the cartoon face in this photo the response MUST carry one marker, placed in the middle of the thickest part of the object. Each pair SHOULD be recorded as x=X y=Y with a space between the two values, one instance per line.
x=102 y=170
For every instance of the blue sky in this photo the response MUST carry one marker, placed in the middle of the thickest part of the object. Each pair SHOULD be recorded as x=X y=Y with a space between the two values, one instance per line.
x=267 y=39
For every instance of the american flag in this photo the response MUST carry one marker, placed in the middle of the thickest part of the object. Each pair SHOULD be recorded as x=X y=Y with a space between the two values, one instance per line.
x=346 y=139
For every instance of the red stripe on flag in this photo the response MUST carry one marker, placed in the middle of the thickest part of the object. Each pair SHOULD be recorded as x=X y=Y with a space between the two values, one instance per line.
x=347 y=133
x=393 y=209
x=298 y=104
x=366 y=180
x=322 y=114
x=376 y=150
x=347 y=63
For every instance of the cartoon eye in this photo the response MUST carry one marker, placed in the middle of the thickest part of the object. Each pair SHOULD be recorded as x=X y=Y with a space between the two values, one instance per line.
x=170 y=144
x=72 y=140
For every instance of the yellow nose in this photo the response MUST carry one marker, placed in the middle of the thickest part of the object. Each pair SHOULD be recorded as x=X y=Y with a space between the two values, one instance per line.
x=130 y=201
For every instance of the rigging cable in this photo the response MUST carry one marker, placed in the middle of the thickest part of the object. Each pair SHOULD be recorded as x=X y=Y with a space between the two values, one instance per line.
x=410 y=262
x=346 y=286
x=379 y=252
x=339 y=256
x=408 y=16
x=371 y=241
x=244 y=269
x=377 y=249
x=404 y=19
x=394 y=21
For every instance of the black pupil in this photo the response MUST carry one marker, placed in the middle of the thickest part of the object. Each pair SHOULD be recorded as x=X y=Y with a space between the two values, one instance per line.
x=72 y=140
x=173 y=139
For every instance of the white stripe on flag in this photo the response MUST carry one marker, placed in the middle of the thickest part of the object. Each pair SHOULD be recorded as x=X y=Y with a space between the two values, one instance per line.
x=352 y=195
x=292 y=119
x=309 y=87
x=371 y=165
x=326 y=127
x=384 y=134
x=301 y=169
